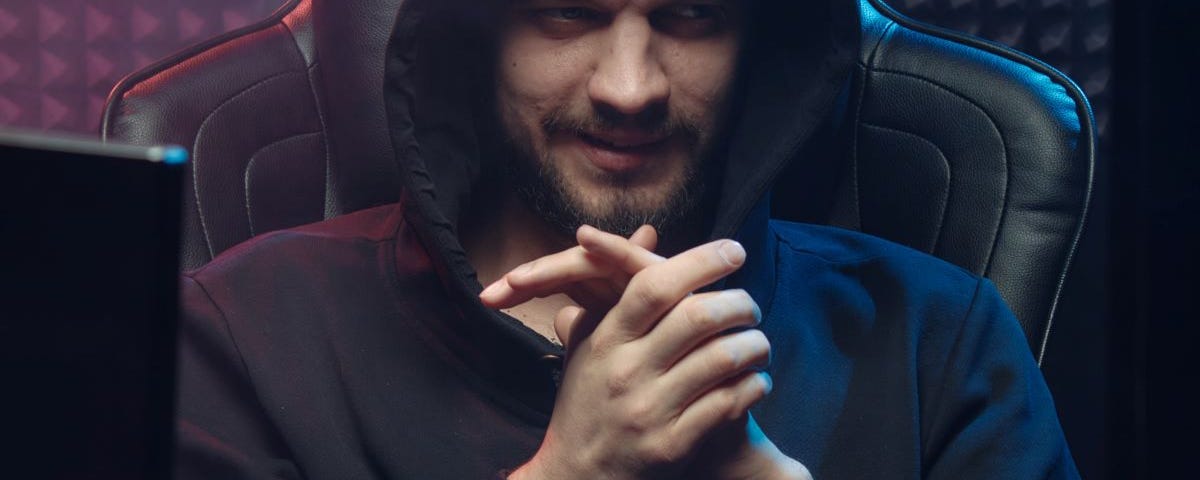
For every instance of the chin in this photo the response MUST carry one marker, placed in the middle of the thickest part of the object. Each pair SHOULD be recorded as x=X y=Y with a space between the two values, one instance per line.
x=641 y=191
x=568 y=190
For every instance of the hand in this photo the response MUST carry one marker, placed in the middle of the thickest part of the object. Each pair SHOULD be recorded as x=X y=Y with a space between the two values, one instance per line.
x=739 y=450
x=736 y=451
x=645 y=385
x=592 y=281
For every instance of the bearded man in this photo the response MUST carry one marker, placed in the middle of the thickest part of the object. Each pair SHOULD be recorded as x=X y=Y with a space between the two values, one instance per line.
x=602 y=165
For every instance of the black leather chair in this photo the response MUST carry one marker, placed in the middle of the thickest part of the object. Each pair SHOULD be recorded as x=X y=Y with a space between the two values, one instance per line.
x=960 y=148
x=952 y=145
x=284 y=120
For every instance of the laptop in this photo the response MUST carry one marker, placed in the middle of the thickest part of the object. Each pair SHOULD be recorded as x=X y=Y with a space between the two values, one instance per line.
x=89 y=238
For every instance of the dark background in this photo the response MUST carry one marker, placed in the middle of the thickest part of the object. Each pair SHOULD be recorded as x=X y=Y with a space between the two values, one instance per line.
x=1123 y=326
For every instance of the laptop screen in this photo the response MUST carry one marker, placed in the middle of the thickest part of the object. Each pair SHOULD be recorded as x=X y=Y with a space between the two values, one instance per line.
x=88 y=278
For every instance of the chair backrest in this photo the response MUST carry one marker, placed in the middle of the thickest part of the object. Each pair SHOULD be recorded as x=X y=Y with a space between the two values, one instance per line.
x=955 y=146
x=966 y=150
x=284 y=119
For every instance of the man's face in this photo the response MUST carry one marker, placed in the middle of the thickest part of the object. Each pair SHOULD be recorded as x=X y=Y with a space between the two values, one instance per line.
x=613 y=106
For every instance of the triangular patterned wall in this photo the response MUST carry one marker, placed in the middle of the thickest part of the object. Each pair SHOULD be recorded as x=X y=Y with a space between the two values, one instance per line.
x=59 y=58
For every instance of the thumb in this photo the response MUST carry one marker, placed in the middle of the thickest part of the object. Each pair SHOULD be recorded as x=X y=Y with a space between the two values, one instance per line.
x=573 y=324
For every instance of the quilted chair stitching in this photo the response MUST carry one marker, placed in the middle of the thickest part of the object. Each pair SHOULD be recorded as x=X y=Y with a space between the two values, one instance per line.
x=195 y=153
x=1003 y=144
x=854 y=153
x=1083 y=115
x=887 y=32
x=325 y=133
x=248 y=173
x=320 y=116
x=950 y=171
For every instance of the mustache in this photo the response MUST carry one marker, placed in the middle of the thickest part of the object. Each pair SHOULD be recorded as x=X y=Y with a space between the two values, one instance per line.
x=654 y=121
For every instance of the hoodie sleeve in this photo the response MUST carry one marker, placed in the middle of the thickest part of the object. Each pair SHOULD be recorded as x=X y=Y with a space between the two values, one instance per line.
x=993 y=417
x=222 y=431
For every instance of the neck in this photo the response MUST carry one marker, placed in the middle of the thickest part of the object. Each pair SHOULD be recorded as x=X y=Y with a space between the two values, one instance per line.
x=501 y=234
x=499 y=238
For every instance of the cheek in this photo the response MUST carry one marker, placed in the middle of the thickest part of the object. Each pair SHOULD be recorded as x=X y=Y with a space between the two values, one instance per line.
x=701 y=76
x=536 y=76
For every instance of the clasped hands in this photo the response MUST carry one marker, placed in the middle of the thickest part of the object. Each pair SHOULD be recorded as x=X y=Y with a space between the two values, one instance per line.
x=658 y=381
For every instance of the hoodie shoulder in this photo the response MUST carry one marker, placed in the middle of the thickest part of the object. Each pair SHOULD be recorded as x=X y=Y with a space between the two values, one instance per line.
x=869 y=270
x=840 y=246
x=300 y=245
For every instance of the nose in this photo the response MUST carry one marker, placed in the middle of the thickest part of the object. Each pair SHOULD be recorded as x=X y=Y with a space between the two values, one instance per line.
x=629 y=76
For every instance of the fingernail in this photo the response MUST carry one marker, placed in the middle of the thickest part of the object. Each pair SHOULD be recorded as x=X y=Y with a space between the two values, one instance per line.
x=766 y=378
x=732 y=252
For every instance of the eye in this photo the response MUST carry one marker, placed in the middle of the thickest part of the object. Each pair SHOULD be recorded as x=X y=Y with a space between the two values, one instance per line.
x=564 y=21
x=694 y=12
x=567 y=14
x=691 y=20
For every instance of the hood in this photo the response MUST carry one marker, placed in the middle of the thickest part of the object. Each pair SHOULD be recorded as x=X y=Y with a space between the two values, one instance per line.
x=436 y=72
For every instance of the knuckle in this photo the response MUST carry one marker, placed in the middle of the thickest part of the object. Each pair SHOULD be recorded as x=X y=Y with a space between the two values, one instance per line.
x=759 y=387
x=746 y=311
x=725 y=404
x=650 y=291
x=521 y=276
x=621 y=379
x=760 y=345
x=664 y=450
x=756 y=314
x=706 y=261
x=725 y=357
x=758 y=338
x=741 y=295
x=640 y=414
x=700 y=316
x=749 y=308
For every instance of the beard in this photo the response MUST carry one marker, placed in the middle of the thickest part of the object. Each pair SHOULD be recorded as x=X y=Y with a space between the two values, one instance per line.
x=674 y=208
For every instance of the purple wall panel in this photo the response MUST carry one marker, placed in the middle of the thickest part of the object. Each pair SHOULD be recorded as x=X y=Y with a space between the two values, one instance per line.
x=60 y=58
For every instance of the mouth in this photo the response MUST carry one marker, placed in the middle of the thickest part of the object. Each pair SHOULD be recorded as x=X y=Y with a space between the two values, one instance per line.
x=622 y=152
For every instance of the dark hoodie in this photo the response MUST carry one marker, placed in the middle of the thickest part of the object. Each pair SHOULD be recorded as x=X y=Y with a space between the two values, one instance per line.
x=357 y=348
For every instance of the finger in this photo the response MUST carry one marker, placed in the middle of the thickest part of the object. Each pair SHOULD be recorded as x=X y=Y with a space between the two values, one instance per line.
x=626 y=255
x=657 y=288
x=593 y=295
x=498 y=295
x=550 y=274
x=572 y=324
x=695 y=320
x=645 y=237
x=544 y=276
x=713 y=363
x=728 y=402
